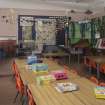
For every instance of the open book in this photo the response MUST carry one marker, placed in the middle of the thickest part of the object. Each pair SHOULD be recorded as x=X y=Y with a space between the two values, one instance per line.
x=66 y=87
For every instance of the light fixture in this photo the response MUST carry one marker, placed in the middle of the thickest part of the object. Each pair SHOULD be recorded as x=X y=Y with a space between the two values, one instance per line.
x=88 y=12
x=73 y=11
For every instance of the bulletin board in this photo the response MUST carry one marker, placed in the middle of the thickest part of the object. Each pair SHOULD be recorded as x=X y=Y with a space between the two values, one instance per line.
x=47 y=30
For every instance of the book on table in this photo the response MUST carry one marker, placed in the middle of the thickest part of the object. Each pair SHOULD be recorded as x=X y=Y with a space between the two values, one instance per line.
x=99 y=92
x=66 y=87
x=45 y=79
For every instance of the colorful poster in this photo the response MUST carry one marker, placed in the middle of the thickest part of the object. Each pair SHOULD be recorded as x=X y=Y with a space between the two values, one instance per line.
x=45 y=31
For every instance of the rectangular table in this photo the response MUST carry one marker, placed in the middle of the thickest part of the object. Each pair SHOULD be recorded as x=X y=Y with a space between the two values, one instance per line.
x=58 y=54
x=29 y=75
x=47 y=95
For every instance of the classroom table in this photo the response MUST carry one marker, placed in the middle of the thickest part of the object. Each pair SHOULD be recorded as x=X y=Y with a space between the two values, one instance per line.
x=98 y=60
x=28 y=76
x=57 y=54
x=47 y=95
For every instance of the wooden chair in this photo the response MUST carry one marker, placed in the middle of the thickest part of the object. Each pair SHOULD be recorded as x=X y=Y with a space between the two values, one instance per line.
x=30 y=98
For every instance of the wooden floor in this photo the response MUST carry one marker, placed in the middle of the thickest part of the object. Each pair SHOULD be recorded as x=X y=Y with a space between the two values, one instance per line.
x=7 y=84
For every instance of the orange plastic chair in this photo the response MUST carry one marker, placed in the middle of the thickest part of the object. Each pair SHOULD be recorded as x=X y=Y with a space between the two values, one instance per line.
x=30 y=98
x=102 y=84
x=16 y=71
x=75 y=72
x=94 y=80
x=19 y=86
x=66 y=69
x=102 y=68
x=13 y=68
x=86 y=61
x=93 y=64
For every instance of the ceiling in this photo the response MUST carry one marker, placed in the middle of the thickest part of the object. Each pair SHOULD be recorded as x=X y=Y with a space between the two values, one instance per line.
x=81 y=5
x=65 y=6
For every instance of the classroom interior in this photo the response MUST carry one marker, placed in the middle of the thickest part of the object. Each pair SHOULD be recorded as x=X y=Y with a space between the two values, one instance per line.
x=52 y=52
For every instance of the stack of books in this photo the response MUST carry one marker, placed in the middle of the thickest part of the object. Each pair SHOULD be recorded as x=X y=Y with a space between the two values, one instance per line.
x=100 y=92
x=40 y=68
x=31 y=59
x=66 y=87
x=59 y=74
x=45 y=80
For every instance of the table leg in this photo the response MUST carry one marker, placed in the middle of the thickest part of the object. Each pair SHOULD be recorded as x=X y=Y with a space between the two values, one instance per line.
x=85 y=60
x=69 y=58
x=98 y=71
x=78 y=58
x=90 y=70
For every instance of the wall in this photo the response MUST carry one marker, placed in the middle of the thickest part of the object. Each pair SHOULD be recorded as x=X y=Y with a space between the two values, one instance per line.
x=11 y=28
x=7 y=28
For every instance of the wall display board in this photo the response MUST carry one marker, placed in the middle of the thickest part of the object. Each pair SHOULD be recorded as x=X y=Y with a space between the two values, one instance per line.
x=49 y=30
x=75 y=34
x=45 y=31
x=79 y=30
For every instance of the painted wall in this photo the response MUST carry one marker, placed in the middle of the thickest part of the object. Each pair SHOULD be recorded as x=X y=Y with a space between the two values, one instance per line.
x=11 y=28
x=7 y=23
x=7 y=29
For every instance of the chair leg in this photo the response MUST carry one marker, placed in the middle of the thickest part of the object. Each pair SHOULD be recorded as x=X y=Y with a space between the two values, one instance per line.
x=25 y=100
x=21 y=98
x=16 y=97
x=13 y=76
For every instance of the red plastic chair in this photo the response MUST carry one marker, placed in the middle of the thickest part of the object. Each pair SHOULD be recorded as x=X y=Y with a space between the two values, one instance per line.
x=102 y=84
x=30 y=98
x=94 y=80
